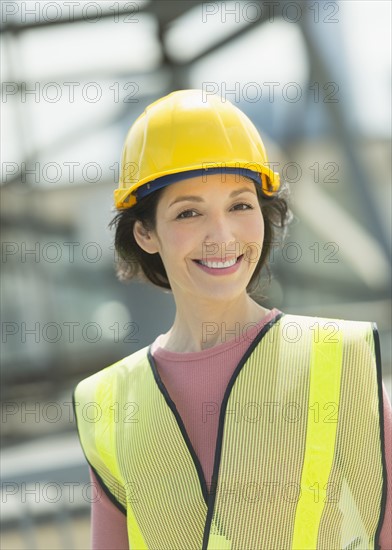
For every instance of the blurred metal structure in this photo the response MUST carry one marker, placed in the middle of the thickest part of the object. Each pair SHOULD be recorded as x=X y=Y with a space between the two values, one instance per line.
x=64 y=313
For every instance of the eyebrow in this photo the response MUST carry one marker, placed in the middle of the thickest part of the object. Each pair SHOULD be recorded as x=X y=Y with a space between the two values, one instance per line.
x=200 y=199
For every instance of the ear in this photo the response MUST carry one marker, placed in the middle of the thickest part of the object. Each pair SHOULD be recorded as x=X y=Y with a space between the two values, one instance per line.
x=145 y=238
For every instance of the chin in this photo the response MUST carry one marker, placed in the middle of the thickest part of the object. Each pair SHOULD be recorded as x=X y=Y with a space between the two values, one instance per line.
x=223 y=293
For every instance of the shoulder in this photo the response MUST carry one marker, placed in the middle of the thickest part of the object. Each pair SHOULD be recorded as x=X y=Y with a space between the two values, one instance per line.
x=87 y=388
x=348 y=326
x=356 y=336
x=313 y=318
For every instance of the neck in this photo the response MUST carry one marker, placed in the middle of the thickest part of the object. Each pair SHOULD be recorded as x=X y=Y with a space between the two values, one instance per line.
x=206 y=325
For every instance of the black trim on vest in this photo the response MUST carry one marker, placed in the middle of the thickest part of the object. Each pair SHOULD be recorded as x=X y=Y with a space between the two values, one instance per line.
x=377 y=545
x=111 y=497
x=180 y=424
x=222 y=415
x=171 y=404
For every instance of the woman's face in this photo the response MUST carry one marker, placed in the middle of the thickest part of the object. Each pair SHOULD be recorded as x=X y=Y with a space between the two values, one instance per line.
x=213 y=218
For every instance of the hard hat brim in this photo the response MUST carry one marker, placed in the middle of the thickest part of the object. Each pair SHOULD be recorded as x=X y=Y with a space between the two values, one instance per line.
x=268 y=181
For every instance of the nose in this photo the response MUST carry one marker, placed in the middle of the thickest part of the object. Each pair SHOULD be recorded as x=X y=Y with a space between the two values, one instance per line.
x=220 y=239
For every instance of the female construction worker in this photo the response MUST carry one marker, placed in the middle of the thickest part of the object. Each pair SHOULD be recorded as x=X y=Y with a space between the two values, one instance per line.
x=241 y=427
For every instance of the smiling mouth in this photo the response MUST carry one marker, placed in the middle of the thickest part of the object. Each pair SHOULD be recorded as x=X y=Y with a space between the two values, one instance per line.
x=219 y=265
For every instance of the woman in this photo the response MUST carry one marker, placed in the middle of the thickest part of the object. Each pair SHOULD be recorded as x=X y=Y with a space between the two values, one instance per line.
x=241 y=427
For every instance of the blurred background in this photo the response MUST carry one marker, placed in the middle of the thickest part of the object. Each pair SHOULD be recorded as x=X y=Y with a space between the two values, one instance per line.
x=315 y=79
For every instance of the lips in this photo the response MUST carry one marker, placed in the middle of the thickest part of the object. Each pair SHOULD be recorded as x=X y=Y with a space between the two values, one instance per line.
x=220 y=271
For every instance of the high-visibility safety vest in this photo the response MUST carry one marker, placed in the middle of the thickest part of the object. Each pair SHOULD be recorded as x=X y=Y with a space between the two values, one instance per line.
x=299 y=459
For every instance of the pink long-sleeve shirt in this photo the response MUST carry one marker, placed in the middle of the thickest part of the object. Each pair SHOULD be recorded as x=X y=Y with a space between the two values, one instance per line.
x=192 y=379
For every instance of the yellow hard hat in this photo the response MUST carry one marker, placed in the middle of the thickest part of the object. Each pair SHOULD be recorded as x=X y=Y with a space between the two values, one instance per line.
x=185 y=134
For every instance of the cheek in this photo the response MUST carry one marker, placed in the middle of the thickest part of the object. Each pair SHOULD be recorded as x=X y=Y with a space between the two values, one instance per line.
x=177 y=242
x=253 y=238
x=262 y=227
x=253 y=229
x=180 y=237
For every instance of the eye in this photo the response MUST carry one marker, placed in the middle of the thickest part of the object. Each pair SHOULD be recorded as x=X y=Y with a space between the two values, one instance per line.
x=182 y=217
x=243 y=204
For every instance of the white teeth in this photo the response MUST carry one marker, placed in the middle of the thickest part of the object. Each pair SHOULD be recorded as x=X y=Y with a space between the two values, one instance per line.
x=219 y=265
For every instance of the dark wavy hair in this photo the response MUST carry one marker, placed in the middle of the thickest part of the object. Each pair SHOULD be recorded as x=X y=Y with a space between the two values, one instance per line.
x=133 y=262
